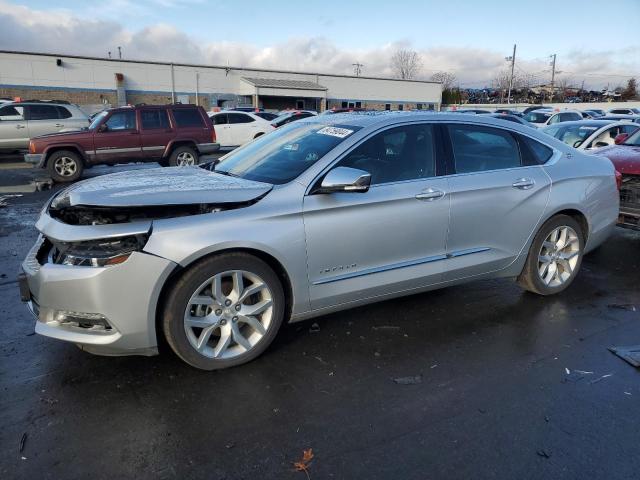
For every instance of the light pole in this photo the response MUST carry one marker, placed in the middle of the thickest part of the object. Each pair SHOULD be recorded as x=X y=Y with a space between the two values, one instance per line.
x=512 y=58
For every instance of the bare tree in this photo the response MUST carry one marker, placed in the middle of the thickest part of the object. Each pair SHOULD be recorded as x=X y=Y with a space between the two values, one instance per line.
x=406 y=63
x=447 y=79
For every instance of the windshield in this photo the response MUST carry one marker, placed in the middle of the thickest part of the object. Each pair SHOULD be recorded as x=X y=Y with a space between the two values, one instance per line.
x=572 y=133
x=282 y=155
x=537 y=117
x=97 y=119
x=633 y=140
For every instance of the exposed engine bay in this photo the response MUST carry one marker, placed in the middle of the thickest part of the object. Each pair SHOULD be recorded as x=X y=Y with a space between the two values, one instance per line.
x=94 y=215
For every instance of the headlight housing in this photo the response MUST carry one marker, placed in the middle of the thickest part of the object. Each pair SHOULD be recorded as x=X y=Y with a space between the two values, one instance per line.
x=96 y=253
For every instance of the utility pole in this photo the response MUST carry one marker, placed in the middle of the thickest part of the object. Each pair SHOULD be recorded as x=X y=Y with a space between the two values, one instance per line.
x=357 y=67
x=120 y=53
x=553 y=75
x=513 y=64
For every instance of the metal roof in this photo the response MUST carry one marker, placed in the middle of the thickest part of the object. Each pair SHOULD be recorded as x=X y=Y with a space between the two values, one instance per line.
x=283 y=83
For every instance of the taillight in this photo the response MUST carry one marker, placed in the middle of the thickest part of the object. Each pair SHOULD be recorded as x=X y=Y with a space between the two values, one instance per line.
x=618 y=180
x=213 y=134
x=32 y=147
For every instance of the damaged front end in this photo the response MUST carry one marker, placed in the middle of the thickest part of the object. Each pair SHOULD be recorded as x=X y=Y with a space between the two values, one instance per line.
x=107 y=215
x=630 y=202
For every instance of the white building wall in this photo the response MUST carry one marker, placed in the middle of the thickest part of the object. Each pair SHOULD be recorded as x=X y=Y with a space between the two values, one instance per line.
x=32 y=70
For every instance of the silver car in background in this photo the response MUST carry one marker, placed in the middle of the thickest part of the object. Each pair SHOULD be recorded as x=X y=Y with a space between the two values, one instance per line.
x=21 y=121
x=321 y=215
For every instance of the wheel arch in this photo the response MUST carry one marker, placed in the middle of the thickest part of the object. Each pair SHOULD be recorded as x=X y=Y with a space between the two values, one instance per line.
x=577 y=215
x=181 y=142
x=177 y=272
x=70 y=147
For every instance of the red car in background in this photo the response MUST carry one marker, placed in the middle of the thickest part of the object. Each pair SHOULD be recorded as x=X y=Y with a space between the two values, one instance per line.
x=167 y=134
x=626 y=158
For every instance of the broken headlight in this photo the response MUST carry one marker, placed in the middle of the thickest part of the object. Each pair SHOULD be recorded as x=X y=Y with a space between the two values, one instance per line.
x=96 y=253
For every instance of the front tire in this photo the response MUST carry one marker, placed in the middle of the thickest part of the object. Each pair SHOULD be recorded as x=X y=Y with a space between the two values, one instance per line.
x=555 y=256
x=183 y=157
x=65 y=166
x=224 y=311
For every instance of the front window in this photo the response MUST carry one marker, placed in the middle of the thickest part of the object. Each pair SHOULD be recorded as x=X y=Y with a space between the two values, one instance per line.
x=536 y=117
x=124 y=120
x=11 y=112
x=284 y=154
x=97 y=120
x=395 y=155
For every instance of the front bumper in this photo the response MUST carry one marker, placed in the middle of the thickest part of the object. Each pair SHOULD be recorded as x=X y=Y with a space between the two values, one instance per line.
x=36 y=158
x=205 y=148
x=126 y=295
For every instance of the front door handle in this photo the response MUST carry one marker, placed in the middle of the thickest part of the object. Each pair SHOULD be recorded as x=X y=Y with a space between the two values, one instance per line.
x=430 y=194
x=20 y=126
x=523 y=183
x=59 y=125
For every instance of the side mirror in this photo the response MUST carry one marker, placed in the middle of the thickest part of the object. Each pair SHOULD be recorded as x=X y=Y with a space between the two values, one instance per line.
x=345 y=179
x=103 y=128
x=620 y=138
x=577 y=143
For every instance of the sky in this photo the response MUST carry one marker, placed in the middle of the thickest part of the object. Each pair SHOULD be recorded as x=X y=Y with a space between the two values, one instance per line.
x=468 y=38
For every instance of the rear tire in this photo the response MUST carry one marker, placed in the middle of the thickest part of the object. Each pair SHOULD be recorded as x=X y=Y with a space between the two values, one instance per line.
x=555 y=256
x=65 y=166
x=224 y=311
x=183 y=157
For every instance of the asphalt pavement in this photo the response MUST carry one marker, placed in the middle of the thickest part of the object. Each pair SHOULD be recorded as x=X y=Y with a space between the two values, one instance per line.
x=480 y=381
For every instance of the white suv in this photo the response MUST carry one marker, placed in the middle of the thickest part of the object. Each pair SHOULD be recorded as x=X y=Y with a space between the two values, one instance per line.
x=21 y=121
x=237 y=128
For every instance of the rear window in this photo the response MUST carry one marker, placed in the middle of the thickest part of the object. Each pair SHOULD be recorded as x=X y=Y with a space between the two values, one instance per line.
x=63 y=112
x=533 y=152
x=154 y=119
x=42 y=112
x=479 y=149
x=188 y=117
x=537 y=117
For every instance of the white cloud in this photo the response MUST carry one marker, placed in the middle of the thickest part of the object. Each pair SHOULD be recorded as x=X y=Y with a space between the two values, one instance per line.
x=61 y=31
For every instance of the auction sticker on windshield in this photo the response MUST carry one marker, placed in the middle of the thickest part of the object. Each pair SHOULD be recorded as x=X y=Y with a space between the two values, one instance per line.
x=335 y=132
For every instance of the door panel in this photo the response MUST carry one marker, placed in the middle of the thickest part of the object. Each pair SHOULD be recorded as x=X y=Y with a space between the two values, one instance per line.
x=223 y=130
x=389 y=239
x=495 y=209
x=367 y=244
x=155 y=133
x=43 y=119
x=14 y=129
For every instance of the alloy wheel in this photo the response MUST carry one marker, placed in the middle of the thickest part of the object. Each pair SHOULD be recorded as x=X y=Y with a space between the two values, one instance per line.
x=558 y=257
x=185 y=159
x=228 y=314
x=65 y=166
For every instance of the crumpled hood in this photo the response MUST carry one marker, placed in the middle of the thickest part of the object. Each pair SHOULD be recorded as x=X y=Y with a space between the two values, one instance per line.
x=625 y=158
x=160 y=186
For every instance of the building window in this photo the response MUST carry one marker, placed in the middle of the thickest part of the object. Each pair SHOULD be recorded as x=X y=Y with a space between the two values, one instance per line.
x=400 y=107
x=344 y=104
x=299 y=104
x=387 y=106
x=419 y=106
x=358 y=104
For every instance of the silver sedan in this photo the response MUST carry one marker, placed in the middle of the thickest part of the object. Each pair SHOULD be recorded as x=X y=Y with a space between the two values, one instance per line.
x=321 y=215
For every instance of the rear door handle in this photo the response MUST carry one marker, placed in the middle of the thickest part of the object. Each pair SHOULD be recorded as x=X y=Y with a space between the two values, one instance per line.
x=20 y=126
x=430 y=194
x=523 y=183
x=59 y=125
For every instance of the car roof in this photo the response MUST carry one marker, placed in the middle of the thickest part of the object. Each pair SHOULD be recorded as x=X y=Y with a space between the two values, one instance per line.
x=583 y=123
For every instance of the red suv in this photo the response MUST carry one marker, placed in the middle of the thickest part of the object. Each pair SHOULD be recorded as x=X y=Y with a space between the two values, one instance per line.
x=167 y=134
